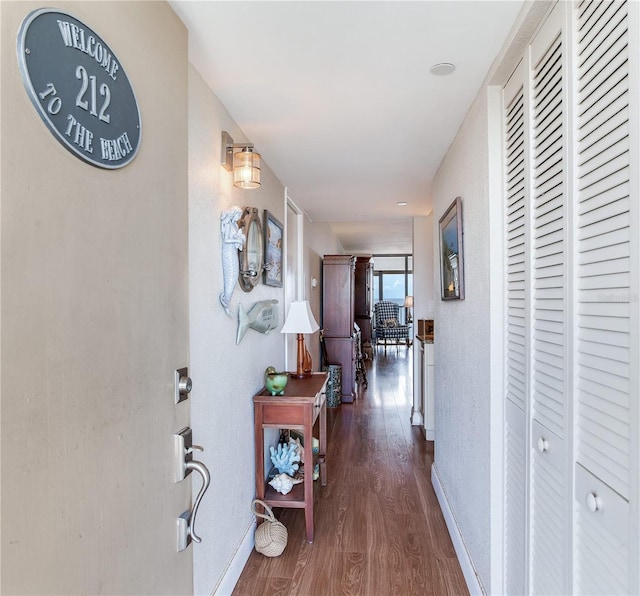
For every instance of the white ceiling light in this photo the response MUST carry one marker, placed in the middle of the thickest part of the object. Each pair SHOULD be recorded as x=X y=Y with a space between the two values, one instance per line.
x=443 y=68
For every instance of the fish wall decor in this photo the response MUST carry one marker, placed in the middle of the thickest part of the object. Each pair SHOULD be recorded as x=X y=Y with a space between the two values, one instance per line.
x=262 y=317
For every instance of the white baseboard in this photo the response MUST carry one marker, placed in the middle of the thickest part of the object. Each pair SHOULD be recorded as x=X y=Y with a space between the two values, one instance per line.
x=236 y=565
x=468 y=570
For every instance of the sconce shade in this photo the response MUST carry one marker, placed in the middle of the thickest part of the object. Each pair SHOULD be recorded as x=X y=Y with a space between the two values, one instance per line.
x=300 y=319
x=245 y=164
x=246 y=169
x=408 y=302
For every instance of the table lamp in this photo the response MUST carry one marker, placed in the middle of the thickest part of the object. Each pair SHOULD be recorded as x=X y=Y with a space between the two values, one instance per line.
x=300 y=320
x=408 y=304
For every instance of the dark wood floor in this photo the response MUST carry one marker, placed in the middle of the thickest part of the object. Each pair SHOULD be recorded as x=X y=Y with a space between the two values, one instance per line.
x=378 y=527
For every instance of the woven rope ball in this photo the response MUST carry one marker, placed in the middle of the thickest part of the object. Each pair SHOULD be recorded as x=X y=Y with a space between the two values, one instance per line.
x=271 y=535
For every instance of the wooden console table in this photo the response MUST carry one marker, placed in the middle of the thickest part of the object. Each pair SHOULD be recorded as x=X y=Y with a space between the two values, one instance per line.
x=302 y=404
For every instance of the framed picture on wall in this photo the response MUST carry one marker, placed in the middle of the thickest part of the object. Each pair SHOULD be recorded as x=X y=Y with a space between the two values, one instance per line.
x=451 y=253
x=273 y=250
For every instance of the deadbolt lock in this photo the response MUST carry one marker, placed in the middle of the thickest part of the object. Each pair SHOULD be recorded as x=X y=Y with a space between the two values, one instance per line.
x=183 y=384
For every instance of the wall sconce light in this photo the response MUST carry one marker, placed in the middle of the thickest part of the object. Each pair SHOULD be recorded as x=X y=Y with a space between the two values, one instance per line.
x=245 y=163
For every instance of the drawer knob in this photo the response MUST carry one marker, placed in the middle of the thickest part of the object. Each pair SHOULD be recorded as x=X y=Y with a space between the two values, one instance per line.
x=543 y=445
x=594 y=502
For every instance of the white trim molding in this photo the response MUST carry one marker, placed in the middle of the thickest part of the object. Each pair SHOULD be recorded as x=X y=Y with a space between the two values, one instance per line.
x=464 y=558
x=235 y=567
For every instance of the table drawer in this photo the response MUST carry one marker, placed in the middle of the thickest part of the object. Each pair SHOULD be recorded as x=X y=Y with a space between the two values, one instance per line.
x=284 y=414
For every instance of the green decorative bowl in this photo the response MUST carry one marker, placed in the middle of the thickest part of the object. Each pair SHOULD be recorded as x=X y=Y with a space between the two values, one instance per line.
x=275 y=382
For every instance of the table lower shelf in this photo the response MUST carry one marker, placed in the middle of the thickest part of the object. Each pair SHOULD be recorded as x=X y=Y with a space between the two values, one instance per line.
x=293 y=499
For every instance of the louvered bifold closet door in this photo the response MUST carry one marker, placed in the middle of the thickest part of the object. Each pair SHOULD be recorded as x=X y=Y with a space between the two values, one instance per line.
x=550 y=492
x=603 y=293
x=517 y=325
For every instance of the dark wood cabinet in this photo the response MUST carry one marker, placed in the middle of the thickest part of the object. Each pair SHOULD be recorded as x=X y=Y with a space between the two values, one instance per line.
x=338 y=293
x=342 y=351
x=363 y=307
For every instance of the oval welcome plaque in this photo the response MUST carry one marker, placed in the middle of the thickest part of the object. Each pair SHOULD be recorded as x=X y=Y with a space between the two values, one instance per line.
x=79 y=88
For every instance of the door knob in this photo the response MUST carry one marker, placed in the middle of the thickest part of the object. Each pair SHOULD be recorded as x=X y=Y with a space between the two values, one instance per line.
x=543 y=445
x=594 y=502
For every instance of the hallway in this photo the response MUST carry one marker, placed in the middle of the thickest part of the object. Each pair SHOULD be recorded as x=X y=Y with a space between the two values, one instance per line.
x=378 y=526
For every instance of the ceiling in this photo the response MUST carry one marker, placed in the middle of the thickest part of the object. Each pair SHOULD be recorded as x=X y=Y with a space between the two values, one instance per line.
x=338 y=98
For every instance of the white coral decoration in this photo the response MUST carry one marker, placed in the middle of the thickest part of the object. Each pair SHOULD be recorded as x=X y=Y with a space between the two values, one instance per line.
x=283 y=483
x=285 y=457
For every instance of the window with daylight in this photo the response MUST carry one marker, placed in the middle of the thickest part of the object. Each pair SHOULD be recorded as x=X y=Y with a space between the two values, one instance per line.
x=392 y=279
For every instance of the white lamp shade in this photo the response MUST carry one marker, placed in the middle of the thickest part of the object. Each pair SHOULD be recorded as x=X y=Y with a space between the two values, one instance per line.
x=300 y=319
x=408 y=301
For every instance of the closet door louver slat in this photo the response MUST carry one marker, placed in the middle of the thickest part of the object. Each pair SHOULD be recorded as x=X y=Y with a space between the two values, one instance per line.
x=516 y=490
x=613 y=558
x=603 y=287
x=549 y=245
x=603 y=251
x=516 y=486
x=547 y=573
x=516 y=251
x=549 y=489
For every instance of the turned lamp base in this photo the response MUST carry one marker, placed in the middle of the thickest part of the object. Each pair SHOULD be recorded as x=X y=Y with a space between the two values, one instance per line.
x=304 y=365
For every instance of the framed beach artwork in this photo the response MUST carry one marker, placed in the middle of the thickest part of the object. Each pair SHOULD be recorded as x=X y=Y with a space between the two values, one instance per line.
x=273 y=250
x=451 y=253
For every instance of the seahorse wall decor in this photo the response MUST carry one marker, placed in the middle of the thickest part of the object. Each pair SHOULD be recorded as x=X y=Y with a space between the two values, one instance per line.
x=233 y=240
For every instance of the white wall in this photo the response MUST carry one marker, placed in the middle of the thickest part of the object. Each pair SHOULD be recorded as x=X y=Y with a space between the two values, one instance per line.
x=423 y=294
x=468 y=333
x=225 y=375
x=319 y=240
x=424 y=288
x=462 y=363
